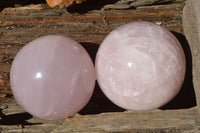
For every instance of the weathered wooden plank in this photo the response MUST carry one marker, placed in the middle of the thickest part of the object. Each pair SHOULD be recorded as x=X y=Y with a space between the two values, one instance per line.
x=127 y=4
x=30 y=25
x=191 y=21
x=157 y=121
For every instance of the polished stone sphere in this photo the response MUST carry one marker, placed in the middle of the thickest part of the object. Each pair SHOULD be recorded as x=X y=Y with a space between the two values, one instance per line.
x=140 y=66
x=52 y=77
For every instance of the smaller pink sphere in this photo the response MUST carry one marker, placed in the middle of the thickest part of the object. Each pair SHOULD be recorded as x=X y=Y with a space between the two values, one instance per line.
x=140 y=66
x=52 y=77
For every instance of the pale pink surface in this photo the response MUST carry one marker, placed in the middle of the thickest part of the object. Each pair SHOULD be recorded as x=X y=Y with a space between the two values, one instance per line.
x=52 y=77
x=140 y=66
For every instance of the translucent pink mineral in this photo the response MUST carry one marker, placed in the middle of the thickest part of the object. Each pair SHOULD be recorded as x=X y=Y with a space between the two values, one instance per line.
x=52 y=77
x=140 y=66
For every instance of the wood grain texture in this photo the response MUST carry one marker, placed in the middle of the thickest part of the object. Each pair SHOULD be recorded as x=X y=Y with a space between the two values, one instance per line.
x=191 y=21
x=152 y=121
x=157 y=121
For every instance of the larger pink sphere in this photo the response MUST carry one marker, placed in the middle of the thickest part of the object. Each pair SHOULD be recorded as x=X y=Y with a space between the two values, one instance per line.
x=52 y=77
x=140 y=66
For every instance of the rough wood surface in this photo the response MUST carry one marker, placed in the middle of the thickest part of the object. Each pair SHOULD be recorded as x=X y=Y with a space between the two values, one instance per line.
x=128 y=4
x=191 y=21
x=89 y=25
x=16 y=120
x=152 y=121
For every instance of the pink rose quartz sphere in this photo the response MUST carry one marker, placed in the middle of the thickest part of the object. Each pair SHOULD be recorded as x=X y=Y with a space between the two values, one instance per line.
x=140 y=66
x=52 y=77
